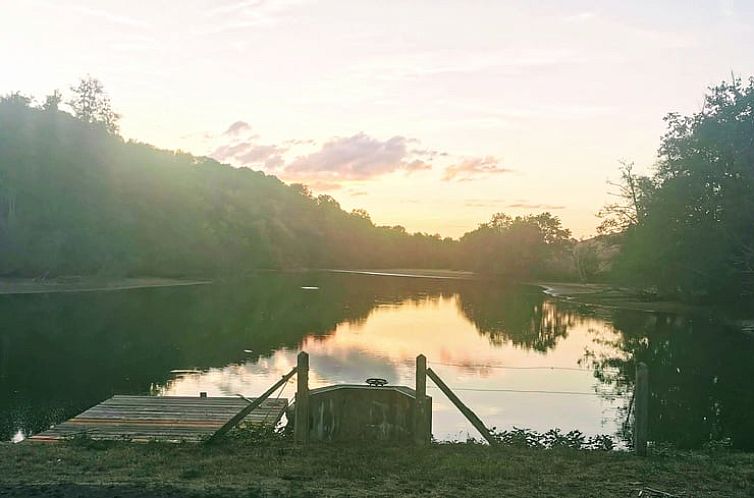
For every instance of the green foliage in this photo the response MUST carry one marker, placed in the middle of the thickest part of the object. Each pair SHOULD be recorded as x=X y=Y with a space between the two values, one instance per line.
x=90 y=104
x=553 y=439
x=517 y=247
x=260 y=435
x=77 y=199
x=696 y=236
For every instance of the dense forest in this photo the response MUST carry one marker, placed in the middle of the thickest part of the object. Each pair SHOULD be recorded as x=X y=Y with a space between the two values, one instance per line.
x=77 y=199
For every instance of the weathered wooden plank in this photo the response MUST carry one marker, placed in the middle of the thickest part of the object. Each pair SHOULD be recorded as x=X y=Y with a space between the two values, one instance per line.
x=168 y=418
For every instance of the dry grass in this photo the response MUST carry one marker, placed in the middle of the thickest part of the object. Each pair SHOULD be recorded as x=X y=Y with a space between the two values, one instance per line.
x=235 y=468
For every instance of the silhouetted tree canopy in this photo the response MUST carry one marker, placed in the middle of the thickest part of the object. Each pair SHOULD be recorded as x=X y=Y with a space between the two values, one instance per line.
x=696 y=236
x=77 y=199
x=90 y=103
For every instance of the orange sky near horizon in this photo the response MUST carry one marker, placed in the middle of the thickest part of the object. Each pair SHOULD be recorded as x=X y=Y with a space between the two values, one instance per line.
x=431 y=115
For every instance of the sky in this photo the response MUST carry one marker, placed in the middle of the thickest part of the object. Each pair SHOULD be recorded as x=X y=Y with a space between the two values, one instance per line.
x=428 y=114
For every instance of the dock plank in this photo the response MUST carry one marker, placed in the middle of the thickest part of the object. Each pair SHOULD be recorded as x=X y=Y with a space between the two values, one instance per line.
x=164 y=418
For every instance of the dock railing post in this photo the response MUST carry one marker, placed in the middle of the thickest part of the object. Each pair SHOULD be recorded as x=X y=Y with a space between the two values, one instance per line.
x=641 y=409
x=422 y=410
x=301 y=428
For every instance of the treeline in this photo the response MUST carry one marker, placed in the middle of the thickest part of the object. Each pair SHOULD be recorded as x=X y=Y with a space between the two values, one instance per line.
x=76 y=199
x=688 y=229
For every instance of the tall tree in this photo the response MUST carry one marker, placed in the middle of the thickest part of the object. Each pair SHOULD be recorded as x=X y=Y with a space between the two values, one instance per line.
x=633 y=193
x=52 y=102
x=697 y=235
x=90 y=103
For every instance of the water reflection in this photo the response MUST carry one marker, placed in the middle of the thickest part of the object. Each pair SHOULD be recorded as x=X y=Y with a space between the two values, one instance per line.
x=63 y=353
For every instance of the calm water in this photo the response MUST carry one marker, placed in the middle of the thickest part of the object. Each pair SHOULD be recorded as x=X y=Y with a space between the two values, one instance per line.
x=515 y=356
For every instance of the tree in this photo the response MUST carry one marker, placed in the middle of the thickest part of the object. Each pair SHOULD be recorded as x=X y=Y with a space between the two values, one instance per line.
x=518 y=247
x=17 y=99
x=92 y=105
x=696 y=236
x=633 y=192
x=52 y=101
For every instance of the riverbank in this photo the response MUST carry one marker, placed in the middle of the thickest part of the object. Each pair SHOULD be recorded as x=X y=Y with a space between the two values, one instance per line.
x=610 y=296
x=88 y=284
x=236 y=468
x=412 y=272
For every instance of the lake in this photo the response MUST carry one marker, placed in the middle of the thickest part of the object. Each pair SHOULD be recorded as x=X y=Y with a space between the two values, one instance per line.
x=515 y=356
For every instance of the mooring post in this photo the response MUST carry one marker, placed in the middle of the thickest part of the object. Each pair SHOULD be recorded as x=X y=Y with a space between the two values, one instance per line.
x=301 y=428
x=641 y=409
x=422 y=411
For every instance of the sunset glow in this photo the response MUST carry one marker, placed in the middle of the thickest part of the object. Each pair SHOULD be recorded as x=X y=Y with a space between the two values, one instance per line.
x=430 y=115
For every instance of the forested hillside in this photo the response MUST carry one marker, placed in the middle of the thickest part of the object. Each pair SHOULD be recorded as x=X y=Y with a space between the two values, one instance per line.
x=76 y=199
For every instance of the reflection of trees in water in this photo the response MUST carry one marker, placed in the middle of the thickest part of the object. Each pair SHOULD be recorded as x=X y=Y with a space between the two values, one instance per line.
x=698 y=370
x=509 y=314
x=61 y=353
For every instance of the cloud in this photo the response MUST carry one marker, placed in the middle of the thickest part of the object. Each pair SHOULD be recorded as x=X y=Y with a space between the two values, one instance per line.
x=237 y=128
x=110 y=17
x=321 y=186
x=528 y=205
x=321 y=167
x=243 y=149
x=580 y=17
x=429 y=153
x=500 y=203
x=359 y=157
x=474 y=167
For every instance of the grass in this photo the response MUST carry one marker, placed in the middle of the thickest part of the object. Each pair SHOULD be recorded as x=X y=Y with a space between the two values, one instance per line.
x=278 y=468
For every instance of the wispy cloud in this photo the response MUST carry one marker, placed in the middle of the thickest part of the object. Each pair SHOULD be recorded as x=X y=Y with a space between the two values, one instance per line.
x=241 y=147
x=474 y=167
x=111 y=17
x=530 y=205
x=507 y=204
x=580 y=17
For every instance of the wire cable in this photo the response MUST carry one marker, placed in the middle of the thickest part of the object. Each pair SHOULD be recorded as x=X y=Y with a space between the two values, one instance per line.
x=480 y=365
x=533 y=391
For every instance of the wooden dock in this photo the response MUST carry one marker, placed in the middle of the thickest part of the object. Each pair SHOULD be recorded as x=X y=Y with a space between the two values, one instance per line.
x=161 y=418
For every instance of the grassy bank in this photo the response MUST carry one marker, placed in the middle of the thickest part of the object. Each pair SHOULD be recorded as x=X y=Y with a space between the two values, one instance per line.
x=236 y=468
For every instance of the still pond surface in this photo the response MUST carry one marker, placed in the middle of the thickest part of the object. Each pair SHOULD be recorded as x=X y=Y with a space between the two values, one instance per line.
x=516 y=356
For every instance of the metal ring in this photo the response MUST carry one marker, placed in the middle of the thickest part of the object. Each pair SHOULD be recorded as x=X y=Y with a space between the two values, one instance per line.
x=376 y=382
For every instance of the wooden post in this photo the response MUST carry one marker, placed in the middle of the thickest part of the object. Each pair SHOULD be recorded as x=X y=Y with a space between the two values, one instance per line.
x=301 y=428
x=641 y=409
x=255 y=403
x=471 y=416
x=422 y=409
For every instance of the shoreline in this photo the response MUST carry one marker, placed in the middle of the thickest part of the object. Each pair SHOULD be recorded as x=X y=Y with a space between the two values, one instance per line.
x=20 y=286
x=410 y=272
x=612 y=297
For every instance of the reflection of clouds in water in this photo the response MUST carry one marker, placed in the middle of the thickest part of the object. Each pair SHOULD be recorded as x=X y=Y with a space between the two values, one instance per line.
x=456 y=334
x=352 y=366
